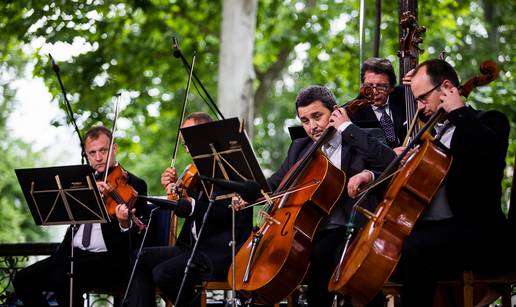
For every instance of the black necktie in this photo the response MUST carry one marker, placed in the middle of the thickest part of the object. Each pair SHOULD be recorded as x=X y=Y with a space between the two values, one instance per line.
x=86 y=235
x=387 y=126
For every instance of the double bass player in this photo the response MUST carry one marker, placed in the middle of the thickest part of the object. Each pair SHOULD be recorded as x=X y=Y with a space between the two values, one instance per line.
x=464 y=223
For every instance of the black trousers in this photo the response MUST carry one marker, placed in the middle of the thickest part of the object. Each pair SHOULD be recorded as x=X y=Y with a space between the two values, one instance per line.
x=328 y=244
x=442 y=250
x=91 y=271
x=163 y=268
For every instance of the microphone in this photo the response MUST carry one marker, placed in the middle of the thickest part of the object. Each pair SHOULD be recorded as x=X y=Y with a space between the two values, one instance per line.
x=248 y=190
x=175 y=44
x=160 y=202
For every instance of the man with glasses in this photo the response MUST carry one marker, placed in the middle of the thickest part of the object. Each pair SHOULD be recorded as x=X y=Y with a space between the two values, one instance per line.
x=463 y=227
x=388 y=110
x=101 y=251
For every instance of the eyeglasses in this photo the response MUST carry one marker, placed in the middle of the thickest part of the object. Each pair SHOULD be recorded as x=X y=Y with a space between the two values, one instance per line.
x=102 y=151
x=380 y=87
x=423 y=97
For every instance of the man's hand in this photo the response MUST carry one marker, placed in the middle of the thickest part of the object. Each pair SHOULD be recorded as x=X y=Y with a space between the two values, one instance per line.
x=408 y=77
x=169 y=176
x=122 y=214
x=450 y=98
x=102 y=186
x=357 y=181
x=238 y=203
x=338 y=117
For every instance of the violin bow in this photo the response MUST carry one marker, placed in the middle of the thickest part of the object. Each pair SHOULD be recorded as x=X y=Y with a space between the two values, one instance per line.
x=183 y=109
x=112 y=142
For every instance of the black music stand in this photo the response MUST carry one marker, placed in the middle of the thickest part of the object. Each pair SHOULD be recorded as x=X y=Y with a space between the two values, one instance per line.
x=63 y=195
x=222 y=150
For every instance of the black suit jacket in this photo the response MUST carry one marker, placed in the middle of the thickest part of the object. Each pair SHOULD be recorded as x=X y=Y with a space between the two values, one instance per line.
x=118 y=242
x=473 y=183
x=361 y=149
x=366 y=118
x=216 y=236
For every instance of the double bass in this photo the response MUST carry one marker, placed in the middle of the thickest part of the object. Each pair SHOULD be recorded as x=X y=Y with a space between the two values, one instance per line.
x=275 y=258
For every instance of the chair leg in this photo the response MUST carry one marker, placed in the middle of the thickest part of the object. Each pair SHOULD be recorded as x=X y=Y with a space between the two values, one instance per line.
x=467 y=289
x=204 y=296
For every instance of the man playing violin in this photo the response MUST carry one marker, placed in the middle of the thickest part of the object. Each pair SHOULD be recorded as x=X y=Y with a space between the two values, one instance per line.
x=361 y=153
x=101 y=253
x=388 y=109
x=163 y=267
x=464 y=225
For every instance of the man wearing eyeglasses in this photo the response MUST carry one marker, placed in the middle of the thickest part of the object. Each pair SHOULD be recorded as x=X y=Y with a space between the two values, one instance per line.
x=463 y=228
x=101 y=251
x=388 y=110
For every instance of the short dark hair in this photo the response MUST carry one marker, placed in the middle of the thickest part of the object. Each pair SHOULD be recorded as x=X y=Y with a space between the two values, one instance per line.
x=439 y=70
x=313 y=93
x=379 y=66
x=199 y=117
x=95 y=131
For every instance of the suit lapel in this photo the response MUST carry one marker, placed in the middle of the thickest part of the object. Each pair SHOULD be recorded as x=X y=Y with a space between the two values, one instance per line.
x=345 y=157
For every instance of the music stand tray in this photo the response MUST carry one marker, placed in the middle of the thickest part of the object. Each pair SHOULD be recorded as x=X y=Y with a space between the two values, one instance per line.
x=221 y=149
x=62 y=195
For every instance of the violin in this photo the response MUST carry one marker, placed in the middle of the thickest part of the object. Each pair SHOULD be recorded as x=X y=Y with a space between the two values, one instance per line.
x=187 y=183
x=120 y=192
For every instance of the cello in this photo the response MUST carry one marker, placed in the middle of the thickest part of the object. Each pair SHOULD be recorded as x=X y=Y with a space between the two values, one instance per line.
x=375 y=252
x=276 y=257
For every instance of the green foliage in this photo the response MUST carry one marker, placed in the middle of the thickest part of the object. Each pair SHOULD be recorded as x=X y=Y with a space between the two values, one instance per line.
x=127 y=48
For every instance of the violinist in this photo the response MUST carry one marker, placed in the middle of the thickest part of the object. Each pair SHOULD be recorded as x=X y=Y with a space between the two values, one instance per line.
x=361 y=153
x=163 y=267
x=388 y=109
x=464 y=227
x=101 y=255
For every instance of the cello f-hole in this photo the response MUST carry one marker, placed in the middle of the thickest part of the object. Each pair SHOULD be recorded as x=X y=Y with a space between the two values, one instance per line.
x=284 y=232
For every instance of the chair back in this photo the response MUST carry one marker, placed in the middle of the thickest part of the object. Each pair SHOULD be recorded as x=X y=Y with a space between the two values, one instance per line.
x=159 y=229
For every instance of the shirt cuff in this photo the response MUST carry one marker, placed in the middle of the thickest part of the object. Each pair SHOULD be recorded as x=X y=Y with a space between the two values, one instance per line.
x=123 y=229
x=193 y=205
x=370 y=172
x=343 y=126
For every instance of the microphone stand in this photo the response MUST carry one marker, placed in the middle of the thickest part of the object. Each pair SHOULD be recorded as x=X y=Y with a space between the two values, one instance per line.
x=55 y=67
x=124 y=300
x=84 y=160
x=179 y=54
x=194 y=249
x=233 y=300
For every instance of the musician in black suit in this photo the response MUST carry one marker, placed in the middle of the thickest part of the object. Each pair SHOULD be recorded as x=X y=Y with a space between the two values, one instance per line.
x=163 y=267
x=100 y=262
x=389 y=98
x=361 y=153
x=464 y=226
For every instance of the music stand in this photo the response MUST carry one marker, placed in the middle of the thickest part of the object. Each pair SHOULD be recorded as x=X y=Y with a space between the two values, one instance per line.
x=222 y=150
x=63 y=195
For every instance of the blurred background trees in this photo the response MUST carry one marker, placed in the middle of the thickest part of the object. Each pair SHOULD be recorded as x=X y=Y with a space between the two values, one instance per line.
x=125 y=46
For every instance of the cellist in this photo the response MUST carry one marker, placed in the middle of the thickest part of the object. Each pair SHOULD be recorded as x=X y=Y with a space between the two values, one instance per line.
x=464 y=225
x=360 y=153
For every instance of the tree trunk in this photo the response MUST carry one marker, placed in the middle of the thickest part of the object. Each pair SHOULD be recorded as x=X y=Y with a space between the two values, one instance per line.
x=236 y=73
